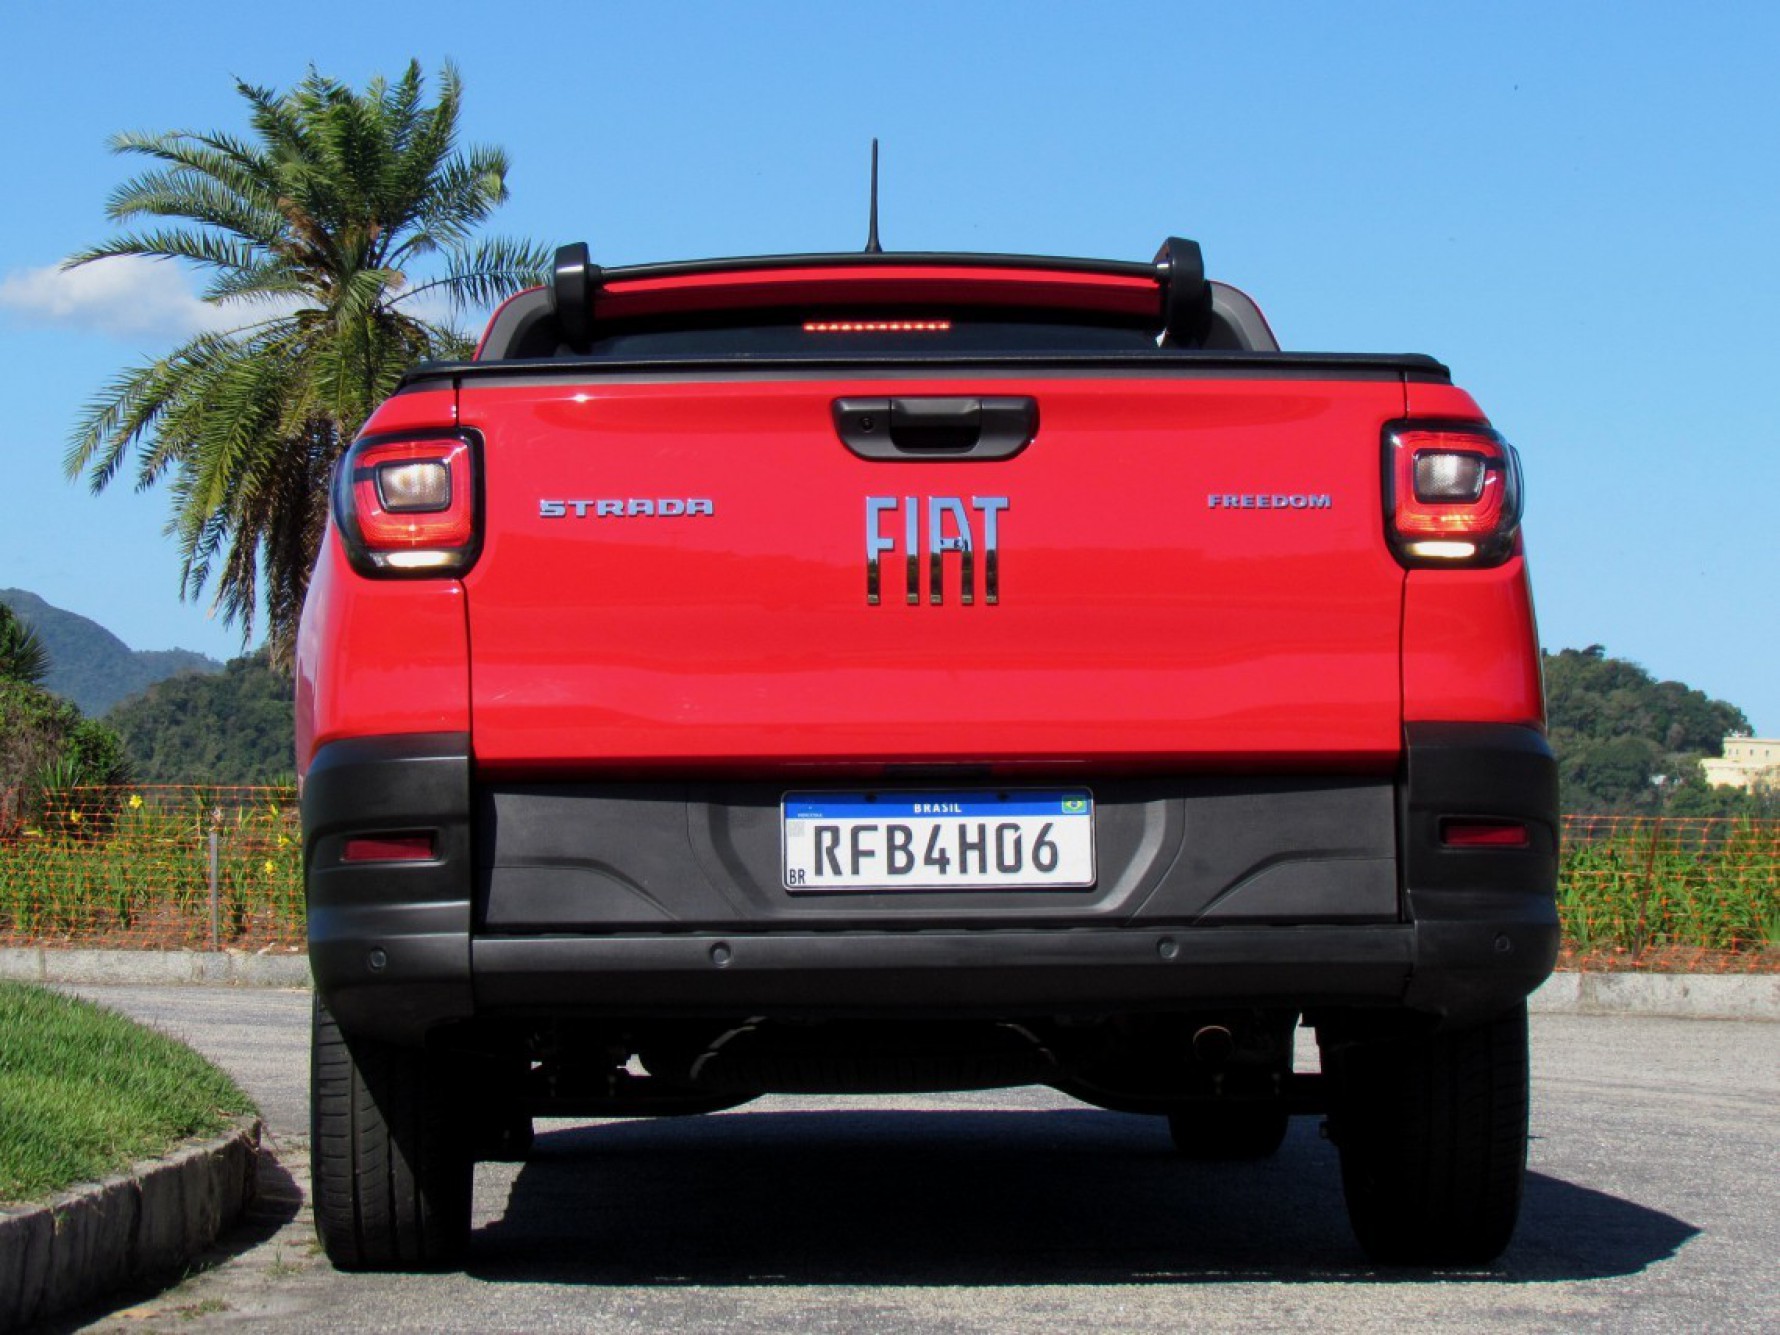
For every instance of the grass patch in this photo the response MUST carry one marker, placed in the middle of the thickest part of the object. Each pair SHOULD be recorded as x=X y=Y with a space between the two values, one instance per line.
x=85 y=1092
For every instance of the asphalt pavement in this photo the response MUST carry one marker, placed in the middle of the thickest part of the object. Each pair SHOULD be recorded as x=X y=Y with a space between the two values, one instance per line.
x=1651 y=1205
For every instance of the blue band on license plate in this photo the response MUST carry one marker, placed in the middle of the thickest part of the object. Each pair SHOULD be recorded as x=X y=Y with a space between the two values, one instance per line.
x=1022 y=839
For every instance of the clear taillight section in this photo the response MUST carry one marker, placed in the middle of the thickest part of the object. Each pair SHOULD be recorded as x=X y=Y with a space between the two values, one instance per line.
x=407 y=505
x=1452 y=494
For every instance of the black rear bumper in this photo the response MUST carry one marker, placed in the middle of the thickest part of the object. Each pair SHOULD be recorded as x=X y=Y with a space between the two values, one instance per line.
x=652 y=901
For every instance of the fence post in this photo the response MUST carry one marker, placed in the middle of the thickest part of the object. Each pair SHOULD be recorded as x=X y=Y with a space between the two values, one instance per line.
x=1643 y=938
x=215 y=897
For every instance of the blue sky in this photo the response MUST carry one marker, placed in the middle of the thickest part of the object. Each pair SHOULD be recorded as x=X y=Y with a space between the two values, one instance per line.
x=1577 y=207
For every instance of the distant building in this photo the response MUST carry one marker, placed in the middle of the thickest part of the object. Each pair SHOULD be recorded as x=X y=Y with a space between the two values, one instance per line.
x=1749 y=763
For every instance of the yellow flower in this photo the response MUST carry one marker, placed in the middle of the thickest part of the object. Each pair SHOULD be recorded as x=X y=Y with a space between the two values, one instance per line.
x=271 y=867
x=135 y=801
x=283 y=841
x=74 y=818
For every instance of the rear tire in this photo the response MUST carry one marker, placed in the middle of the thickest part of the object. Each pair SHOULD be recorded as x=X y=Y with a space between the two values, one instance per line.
x=1228 y=1132
x=1432 y=1132
x=390 y=1161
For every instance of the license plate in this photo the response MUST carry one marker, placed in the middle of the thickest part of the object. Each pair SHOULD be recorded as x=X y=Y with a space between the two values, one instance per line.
x=1021 y=839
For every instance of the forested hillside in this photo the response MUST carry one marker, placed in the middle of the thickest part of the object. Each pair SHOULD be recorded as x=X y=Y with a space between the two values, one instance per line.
x=231 y=727
x=91 y=666
x=1629 y=743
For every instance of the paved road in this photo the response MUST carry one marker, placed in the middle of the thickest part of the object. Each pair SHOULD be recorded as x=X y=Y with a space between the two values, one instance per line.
x=1651 y=1206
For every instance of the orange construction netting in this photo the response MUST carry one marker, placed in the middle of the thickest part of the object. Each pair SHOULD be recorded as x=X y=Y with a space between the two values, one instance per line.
x=155 y=867
x=162 y=867
x=1672 y=894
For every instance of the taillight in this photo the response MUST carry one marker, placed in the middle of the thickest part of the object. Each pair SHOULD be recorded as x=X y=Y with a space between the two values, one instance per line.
x=1452 y=494
x=407 y=505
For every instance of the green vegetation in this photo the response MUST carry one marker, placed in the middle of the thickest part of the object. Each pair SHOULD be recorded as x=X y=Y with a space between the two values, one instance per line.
x=84 y=1093
x=22 y=655
x=1629 y=744
x=234 y=728
x=1673 y=884
x=130 y=871
x=114 y=867
x=332 y=230
x=87 y=663
x=47 y=747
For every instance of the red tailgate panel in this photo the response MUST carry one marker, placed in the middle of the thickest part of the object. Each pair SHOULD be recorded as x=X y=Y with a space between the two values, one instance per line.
x=377 y=656
x=1465 y=647
x=1137 y=623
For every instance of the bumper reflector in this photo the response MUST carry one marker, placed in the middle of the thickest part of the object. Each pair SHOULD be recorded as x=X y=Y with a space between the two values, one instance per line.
x=388 y=848
x=1484 y=834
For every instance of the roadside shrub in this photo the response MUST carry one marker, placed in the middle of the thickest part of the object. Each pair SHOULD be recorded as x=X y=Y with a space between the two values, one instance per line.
x=47 y=747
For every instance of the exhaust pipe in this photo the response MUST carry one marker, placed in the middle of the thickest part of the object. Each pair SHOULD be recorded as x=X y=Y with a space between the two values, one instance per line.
x=1213 y=1044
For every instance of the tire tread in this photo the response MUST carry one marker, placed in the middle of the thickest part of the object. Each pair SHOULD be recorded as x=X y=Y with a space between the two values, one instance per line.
x=1432 y=1133
x=389 y=1166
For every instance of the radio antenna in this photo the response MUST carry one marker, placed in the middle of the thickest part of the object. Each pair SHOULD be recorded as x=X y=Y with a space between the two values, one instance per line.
x=871 y=241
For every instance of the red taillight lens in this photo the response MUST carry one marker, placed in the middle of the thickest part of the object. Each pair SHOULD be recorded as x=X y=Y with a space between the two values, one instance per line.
x=1460 y=833
x=408 y=505
x=1453 y=494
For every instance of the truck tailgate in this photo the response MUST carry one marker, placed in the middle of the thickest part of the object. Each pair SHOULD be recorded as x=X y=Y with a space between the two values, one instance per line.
x=1182 y=569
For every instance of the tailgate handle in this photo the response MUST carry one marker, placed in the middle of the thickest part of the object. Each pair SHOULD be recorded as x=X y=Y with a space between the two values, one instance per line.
x=933 y=428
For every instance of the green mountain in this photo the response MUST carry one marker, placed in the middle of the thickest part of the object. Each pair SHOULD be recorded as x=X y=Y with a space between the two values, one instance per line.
x=91 y=666
x=234 y=726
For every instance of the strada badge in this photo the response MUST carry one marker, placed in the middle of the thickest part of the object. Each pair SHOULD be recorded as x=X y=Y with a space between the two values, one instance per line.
x=633 y=507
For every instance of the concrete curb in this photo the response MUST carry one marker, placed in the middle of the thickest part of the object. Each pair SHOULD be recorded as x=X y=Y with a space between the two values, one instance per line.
x=1687 y=996
x=151 y=968
x=141 y=1226
x=1753 y=996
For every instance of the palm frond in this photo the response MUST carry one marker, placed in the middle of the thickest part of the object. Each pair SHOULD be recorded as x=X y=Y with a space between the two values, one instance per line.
x=205 y=248
x=461 y=193
x=490 y=272
x=23 y=656
x=266 y=279
x=180 y=194
x=229 y=162
x=126 y=410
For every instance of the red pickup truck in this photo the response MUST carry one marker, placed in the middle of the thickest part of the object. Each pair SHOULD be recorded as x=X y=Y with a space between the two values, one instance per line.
x=899 y=672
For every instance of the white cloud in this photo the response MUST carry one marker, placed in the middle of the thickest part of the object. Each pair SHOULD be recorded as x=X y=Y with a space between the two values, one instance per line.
x=131 y=297
x=127 y=297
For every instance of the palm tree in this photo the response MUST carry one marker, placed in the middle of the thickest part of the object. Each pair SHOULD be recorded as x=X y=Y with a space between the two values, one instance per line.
x=22 y=655
x=341 y=234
